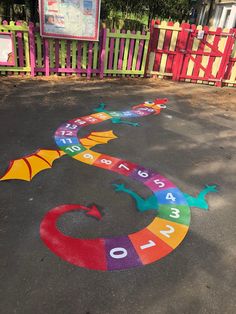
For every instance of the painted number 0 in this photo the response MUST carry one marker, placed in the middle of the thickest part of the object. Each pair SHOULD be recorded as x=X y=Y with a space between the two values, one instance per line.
x=118 y=252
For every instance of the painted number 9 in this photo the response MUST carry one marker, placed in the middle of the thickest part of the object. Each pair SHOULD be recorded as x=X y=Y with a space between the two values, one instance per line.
x=88 y=156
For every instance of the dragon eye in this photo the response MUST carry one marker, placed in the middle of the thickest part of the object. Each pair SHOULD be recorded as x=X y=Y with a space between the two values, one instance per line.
x=161 y=106
x=149 y=102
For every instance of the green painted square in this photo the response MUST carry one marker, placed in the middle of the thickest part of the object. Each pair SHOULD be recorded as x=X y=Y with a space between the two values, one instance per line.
x=176 y=213
x=115 y=114
x=73 y=150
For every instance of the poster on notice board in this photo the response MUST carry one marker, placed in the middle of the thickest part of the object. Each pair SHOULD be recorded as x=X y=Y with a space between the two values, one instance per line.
x=7 y=49
x=70 y=19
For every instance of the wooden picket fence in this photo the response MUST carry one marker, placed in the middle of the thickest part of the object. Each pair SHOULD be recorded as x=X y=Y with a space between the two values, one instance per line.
x=116 y=53
x=176 y=51
x=169 y=50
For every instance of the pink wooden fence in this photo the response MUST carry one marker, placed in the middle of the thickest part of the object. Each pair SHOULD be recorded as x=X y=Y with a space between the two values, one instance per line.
x=168 y=50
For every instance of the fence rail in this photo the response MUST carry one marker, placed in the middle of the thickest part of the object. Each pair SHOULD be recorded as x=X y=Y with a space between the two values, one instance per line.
x=182 y=52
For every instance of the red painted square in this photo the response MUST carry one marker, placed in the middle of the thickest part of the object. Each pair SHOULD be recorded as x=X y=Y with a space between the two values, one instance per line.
x=91 y=120
x=148 y=246
x=106 y=162
x=124 y=167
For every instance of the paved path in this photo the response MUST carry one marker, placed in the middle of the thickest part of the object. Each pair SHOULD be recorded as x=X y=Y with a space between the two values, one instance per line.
x=192 y=143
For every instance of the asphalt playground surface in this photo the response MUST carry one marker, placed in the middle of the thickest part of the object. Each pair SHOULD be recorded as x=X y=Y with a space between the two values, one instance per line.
x=192 y=142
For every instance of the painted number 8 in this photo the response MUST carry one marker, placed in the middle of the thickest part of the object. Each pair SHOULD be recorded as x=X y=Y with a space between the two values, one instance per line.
x=106 y=161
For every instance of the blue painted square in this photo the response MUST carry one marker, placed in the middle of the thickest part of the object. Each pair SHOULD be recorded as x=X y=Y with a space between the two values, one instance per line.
x=171 y=196
x=129 y=114
x=66 y=141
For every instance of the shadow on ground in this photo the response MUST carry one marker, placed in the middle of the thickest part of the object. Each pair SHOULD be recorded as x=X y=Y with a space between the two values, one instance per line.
x=192 y=143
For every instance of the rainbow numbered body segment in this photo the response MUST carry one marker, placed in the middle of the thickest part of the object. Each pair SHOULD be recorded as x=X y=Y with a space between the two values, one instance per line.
x=148 y=245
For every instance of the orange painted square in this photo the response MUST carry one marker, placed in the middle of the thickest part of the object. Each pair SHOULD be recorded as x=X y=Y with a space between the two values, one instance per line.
x=101 y=115
x=173 y=239
x=104 y=165
x=87 y=156
x=150 y=254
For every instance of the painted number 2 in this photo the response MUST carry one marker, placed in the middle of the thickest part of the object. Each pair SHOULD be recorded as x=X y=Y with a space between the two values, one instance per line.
x=167 y=233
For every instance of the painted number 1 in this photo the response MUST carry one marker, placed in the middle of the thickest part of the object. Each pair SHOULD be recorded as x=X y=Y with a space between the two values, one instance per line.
x=148 y=245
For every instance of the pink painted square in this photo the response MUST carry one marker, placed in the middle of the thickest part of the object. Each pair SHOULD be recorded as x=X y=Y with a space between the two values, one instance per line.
x=159 y=183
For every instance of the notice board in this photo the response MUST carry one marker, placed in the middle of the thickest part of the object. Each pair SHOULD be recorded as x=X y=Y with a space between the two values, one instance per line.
x=70 y=19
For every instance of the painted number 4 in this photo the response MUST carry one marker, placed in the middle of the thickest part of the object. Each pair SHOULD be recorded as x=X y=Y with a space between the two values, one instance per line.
x=170 y=196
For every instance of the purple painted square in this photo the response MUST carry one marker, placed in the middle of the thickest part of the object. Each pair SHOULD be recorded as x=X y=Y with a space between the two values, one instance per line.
x=79 y=122
x=63 y=132
x=141 y=112
x=158 y=183
x=142 y=174
x=121 y=254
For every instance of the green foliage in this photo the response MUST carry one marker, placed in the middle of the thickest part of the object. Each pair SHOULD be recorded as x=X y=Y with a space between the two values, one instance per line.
x=143 y=11
x=126 y=13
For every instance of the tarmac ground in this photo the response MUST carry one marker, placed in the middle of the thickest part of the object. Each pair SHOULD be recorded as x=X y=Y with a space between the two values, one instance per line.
x=192 y=142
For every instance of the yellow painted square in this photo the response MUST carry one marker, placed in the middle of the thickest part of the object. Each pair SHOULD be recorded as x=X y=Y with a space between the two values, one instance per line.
x=168 y=231
x=101 y=115
x=87 y=156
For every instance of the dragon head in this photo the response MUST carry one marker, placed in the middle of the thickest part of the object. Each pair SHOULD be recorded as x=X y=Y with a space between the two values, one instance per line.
x=157 y=105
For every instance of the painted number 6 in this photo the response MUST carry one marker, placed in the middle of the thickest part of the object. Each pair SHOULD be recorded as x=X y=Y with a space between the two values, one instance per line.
x=142 y=174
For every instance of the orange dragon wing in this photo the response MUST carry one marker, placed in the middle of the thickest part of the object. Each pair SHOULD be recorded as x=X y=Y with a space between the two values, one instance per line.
x=27 y=167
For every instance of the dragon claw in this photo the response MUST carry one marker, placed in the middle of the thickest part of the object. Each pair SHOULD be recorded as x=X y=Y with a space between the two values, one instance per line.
x=212 y=188
x=119 y=187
